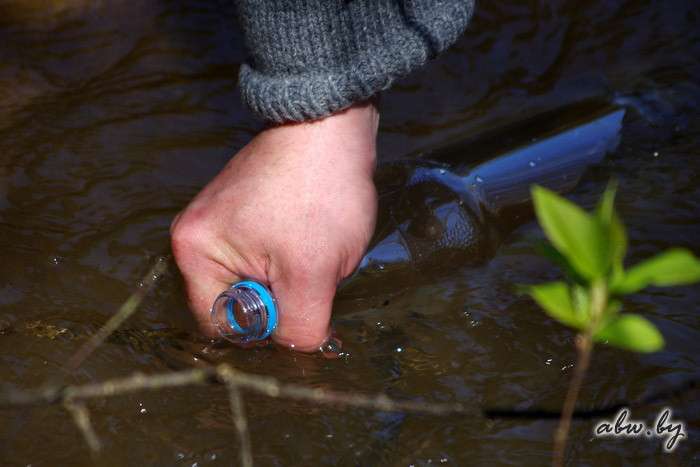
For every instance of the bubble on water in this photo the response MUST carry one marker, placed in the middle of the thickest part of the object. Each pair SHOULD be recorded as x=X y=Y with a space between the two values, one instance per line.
x=567 y=367
x=180 y=456
x=479 y=179
x=380 y=266
x=656 y=153
x=442 y=171
x=399 y=349
x=140 y=284
x=56 y=260
x=329 y=435
x=212 y=456
x=548 y=361
x=195 y=464
x=443 y=460
x=531 y=163
x=332 y=348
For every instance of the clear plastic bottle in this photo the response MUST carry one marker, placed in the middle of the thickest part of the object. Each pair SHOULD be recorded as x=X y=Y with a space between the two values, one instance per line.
x=432 y=218
x=245 y=312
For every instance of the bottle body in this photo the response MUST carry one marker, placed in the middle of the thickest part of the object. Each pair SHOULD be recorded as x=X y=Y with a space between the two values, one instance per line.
x=432 y=219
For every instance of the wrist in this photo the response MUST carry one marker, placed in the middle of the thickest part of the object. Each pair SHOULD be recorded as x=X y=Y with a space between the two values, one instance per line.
x=347 y=138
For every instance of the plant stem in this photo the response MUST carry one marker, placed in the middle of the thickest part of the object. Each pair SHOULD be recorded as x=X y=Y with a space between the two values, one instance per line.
x=584 y=349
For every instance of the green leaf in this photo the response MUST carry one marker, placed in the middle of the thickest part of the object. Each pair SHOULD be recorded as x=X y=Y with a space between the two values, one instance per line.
x=577 y=235
x=606 y=205
x=582 y=302
x=676 y=266
x=613 y=229
x=631 y=332
x=555 y=299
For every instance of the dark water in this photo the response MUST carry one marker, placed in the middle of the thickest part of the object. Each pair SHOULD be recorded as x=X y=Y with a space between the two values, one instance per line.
x=114 y=114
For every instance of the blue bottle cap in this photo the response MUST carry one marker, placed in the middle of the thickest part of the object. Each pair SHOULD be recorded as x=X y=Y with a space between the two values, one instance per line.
x=267 y=299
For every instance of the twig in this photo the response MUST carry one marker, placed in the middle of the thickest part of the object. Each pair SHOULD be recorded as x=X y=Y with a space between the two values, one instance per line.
x=124 y=313
x=81 y=417
x=265 y=385
x=239 y=418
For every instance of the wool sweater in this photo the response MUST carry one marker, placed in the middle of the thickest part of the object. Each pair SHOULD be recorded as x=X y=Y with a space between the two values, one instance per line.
x=311 y=58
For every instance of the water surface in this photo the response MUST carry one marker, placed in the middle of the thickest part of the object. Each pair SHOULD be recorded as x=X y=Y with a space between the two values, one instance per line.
x=114 y=114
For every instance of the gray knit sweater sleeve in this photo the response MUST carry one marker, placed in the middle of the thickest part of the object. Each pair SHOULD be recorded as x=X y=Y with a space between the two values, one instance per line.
x=311 y=58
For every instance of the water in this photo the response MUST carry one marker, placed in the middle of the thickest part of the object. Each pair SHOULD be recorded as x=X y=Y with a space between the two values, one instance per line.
x=113 y=116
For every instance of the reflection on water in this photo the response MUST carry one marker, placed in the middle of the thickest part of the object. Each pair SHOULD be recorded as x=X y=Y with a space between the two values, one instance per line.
x=113 y=114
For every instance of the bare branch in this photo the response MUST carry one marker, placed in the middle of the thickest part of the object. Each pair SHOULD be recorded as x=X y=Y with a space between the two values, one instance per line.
x=124 y=313
x=240 y=420
x=81 y=417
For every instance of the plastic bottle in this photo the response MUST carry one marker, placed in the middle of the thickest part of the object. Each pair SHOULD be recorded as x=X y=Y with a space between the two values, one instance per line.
x=435 y=218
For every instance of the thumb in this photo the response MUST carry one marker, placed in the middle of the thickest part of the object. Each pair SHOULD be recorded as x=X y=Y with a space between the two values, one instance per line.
x=304 y=313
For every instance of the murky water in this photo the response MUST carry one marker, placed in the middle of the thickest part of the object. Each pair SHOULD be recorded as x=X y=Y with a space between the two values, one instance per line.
x=113 y=114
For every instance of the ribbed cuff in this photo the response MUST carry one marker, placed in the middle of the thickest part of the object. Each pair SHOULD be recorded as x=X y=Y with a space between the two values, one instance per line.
x=312 y=58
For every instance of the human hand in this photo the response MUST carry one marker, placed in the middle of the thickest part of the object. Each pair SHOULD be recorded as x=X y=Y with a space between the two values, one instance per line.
x=294 y=209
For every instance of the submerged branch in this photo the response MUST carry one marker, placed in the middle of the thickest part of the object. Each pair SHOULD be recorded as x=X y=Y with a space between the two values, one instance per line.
x=124 y=313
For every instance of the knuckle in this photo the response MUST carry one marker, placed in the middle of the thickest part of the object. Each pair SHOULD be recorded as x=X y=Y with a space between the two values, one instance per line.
x=187 y=235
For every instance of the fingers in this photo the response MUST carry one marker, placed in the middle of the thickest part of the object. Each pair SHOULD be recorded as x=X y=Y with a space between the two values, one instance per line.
x=304 y=313
x=204 y=278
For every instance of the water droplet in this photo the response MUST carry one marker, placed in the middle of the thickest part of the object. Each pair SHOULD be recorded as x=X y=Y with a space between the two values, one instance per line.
x=380 y=266
x=442 y=171
x=180 y=456
x=213 y=456
x=143 y=410
x=532 y=163
x=195 y=464
x=56 y=260
x=140 y=284
x=443 y=460
x=548 y=361
x=479 y=179
x=329 y=435
x=656 y=153
x=399 y=349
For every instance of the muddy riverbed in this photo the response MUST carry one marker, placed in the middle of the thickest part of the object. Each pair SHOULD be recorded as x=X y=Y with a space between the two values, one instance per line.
x=114 y=114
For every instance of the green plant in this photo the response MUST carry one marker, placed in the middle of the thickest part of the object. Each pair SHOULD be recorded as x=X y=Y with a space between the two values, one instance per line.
x=591 y=247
